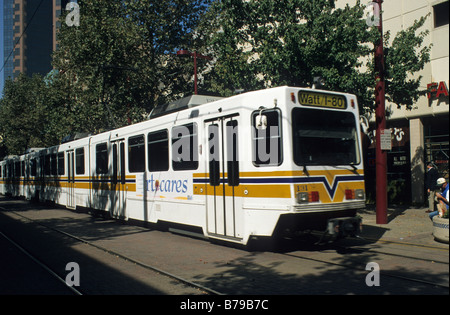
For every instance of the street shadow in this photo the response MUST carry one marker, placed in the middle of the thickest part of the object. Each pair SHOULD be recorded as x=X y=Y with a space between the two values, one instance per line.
x=87 y=226
x=398 y=211
x=392 y=213
x=97 y=276
x=373 y=233
x=344 y=275
x=309 y=269
x=296 y=268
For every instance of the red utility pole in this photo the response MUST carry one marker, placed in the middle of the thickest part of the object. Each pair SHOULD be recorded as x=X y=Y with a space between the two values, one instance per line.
x=195 y=73
x=380 y=114
x=182 y=53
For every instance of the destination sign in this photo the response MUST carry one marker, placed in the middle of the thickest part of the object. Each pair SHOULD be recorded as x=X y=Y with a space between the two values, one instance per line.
x=310 y=98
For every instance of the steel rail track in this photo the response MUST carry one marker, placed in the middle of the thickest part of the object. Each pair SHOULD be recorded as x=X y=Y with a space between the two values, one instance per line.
x=369 y=241
x=213 y=292
x=363 y=269
x=124 y=257
x=41 y=264
x=404 y=244
x=368 y=250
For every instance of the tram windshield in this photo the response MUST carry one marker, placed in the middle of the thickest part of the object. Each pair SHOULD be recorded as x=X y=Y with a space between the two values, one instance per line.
x=323 y=137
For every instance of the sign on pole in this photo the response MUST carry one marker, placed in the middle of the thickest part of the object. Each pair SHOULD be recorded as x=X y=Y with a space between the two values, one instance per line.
x=385 y=140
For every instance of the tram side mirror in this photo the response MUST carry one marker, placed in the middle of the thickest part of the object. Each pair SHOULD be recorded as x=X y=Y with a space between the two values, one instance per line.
x=261 y=122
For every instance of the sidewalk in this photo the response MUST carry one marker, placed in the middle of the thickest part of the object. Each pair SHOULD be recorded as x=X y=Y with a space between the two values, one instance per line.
x=405 y=224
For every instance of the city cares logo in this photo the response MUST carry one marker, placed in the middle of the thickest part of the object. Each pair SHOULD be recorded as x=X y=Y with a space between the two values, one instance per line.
x=73 y=18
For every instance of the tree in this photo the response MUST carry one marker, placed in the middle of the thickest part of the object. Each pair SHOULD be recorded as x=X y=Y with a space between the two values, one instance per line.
x=110 y=71
x=22 y=114
x=405 y=57
x=119 y=63
x=264 y=43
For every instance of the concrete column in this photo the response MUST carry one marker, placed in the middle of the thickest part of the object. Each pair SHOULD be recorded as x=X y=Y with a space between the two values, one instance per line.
x=417 y=161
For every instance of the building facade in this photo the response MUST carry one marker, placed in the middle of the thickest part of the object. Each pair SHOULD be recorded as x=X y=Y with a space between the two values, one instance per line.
x=421 y=134
x=29 y=38
x=8 y=39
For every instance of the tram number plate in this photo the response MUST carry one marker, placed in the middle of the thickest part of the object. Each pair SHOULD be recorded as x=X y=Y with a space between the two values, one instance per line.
x=322 y=100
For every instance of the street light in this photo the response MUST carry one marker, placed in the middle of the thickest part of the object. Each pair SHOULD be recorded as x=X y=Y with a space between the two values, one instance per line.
x=187 y=53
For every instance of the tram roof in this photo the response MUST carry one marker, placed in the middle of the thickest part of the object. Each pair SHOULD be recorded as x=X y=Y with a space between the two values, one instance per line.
x=183 y=103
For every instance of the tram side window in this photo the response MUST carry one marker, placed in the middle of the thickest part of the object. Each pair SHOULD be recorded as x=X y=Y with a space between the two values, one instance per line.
x=266 y=139
x=232 y=153
x=158 y=151
x=33 y=167
x=184 y=147
x=17 y=169
x=53 y=168
x=47 y=165
x=136 y=154
x=61 y=164
x=101 y=160
x=79 y=161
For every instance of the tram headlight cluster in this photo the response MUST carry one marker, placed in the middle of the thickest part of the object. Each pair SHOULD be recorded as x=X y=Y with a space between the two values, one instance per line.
x=305 y=197
x=351 y=194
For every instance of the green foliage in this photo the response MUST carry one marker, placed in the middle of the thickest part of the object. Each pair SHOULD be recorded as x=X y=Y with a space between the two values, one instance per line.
x=289 y=42
x=405 y=57
x=30 y=115
x=120 y=62
x=110 y=71
x=264 y=43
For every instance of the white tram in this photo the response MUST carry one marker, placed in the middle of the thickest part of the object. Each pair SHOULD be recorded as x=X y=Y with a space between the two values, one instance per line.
x=249 y=165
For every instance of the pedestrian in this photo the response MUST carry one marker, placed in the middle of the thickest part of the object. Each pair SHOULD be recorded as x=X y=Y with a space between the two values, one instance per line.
x=442 y=198
x=432 y=177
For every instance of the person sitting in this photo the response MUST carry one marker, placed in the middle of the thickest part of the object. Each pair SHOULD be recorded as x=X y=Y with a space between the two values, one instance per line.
x=442 y=198
x=430 y=183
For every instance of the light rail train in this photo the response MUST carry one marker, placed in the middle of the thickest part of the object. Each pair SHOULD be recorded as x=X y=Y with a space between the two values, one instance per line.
x=251 y=165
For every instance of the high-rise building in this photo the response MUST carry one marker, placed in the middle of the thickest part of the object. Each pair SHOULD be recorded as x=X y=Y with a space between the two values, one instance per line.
x=58 y=6
x=29 y=35
x=8 y=38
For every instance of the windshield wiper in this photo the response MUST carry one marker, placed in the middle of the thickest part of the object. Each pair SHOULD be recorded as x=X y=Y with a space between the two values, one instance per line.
x=305 y=170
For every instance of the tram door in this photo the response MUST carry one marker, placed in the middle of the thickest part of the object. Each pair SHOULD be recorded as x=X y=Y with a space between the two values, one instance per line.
x=70 y=179
x=224 y=211
x=118 y=180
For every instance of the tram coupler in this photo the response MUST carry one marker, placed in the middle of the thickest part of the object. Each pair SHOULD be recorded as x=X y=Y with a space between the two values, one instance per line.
x=338 y=228
x=346 y=226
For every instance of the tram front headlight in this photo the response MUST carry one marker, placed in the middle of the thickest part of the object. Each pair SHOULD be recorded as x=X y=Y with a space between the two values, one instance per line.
x=305 y=197
x=359 y=194
x=302 y=197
